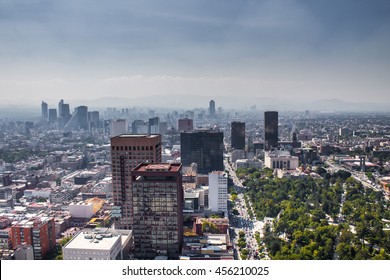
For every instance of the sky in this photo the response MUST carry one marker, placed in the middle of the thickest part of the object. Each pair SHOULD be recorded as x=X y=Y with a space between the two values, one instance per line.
x=284 y=49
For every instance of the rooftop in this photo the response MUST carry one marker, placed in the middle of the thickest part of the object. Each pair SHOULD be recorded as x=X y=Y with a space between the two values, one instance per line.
x=162 y=167
x=97 y=239
x=137 y=136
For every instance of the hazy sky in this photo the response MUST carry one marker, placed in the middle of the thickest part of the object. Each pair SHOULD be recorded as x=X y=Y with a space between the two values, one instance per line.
x=87 y=49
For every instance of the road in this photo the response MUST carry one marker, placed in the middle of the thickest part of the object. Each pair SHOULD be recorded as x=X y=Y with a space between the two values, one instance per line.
x=243 y=221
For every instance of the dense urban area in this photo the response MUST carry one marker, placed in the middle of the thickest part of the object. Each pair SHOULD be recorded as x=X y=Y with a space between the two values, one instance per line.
x=207 y=183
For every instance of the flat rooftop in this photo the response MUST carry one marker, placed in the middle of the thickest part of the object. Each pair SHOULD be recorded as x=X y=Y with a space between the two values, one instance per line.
x=158 y=167
x=137 y=136
x=86 y=240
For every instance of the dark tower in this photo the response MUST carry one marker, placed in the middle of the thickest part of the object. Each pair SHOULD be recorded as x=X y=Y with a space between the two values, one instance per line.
x=158 y=210
x=270 y=130
x=203 y=147
x=44 y=109
x=238 y=135
x=212 y=108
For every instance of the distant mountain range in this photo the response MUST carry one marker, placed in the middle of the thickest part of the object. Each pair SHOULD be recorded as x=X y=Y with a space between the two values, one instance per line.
x=236 y=102
x=193 y=101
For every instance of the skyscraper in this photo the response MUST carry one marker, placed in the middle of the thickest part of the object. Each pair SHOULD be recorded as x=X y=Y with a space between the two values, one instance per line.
x=63 y=114
x=212 y=108
x=185 y=125
x=79 y=119
x=44 y=109
x=154 y=125
x=127 y=151
x=118 y=127
x=60 y=104
x=203 y=147
x=270 y=130
x=238 y=135
x=52 y=116
x=158 y=210
x=82 y=112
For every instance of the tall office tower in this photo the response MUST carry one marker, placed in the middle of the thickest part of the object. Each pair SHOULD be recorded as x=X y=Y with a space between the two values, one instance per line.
x=79 y=119
x=63 y=114
x=139 y=127
x=238 y=135
x=203 y=147
x=118 y=127
x=52 y=116
x=60 y=104
x=158 y=210
x=154 y=125
x=218 y=195
x=185 y=125
x=270 y=130
x=127 y=151
x=82 y=113
x=212 y=108
x=93 y=119
x=44 y=109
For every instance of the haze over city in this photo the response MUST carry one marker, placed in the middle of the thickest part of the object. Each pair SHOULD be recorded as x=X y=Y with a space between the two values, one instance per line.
x=264 y=52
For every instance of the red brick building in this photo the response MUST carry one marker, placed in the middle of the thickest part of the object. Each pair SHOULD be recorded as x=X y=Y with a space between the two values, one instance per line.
x=38 y=232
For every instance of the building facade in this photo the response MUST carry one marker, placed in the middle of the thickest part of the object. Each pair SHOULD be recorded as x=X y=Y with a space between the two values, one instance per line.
x=270 y=130
x=158 y=210
x=127 y=151
x=203 y=147
x=238 y=135
x=38 y=232
x=185 y=125
x=281 y=160
x=118 y=127
x=212 y=109
x=218 y=193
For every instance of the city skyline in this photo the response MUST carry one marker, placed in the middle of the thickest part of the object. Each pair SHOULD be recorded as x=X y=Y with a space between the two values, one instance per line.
x=255 y=49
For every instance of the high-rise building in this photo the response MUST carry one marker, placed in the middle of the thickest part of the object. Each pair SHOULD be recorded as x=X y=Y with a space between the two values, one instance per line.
x=270 y=130
x=203 y=147
x=44 y=109
x=218 y=194
x=154 y=125
x=93 y=119
x=82 y=112
x=185 y=125
x=212 y=108
x=60 y=104
x=158 y=210
x=79 y=119
x=139 y=127
x=52 y=116
x=38 y=232
x=127 y=151
x=238 y=135
x=118 y=127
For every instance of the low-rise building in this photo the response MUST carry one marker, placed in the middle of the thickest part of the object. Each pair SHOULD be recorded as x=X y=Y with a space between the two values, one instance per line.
x=281 y=160
x=99 y=244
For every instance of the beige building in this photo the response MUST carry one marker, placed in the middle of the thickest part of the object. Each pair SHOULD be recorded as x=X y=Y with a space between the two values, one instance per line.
x=127 y=151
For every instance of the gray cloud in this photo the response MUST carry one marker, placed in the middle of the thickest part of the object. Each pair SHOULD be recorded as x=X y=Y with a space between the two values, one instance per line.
x=327 y=48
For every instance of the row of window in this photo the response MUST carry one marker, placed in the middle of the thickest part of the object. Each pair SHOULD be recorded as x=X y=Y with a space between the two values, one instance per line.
x=133 y=148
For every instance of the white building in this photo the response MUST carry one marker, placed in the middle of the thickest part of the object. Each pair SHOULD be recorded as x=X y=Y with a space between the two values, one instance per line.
x=98 y=244
x=118 y=127
x=218 y=193
x=281 y=160
x=248 y=163
x=81 y=210
x=45 y=193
